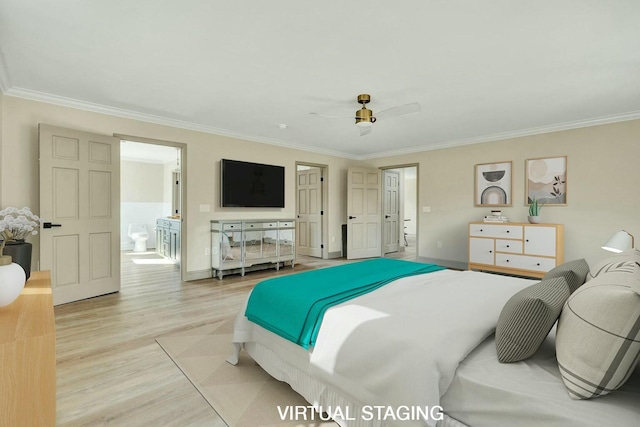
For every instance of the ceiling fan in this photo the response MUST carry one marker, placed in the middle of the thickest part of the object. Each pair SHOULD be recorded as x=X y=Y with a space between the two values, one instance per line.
x=365 y=119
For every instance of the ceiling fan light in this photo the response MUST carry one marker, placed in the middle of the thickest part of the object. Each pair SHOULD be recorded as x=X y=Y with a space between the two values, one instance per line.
x=364 y=117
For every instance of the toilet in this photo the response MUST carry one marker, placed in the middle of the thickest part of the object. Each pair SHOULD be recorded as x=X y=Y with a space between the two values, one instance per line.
x=138 y=233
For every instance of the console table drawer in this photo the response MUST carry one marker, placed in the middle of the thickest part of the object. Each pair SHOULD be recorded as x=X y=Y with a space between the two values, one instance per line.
x=232 y=227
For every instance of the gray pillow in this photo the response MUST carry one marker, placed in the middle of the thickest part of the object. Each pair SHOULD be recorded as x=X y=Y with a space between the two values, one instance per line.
x=527 y=318
x=598 y=335
x=574 y=271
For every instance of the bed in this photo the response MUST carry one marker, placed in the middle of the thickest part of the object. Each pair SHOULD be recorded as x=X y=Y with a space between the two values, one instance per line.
x=421 y=350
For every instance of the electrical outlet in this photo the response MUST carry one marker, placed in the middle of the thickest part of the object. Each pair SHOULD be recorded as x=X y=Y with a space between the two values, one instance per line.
x=207 y=251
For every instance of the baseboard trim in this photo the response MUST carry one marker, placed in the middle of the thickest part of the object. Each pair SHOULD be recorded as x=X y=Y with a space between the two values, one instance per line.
x=199 y=275
x=335 y=254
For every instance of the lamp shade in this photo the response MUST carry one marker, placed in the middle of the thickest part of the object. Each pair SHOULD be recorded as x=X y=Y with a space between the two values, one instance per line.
x=619 y=242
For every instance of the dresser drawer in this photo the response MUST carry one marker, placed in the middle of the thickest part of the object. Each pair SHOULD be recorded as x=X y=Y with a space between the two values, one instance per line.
x=286 y=224
x=524 y=262
x=496 y=231
x=511 y=246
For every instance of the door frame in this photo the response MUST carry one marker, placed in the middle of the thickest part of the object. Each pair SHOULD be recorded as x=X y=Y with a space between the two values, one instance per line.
x=402 y=167
x=324 y=173
x=183 y=184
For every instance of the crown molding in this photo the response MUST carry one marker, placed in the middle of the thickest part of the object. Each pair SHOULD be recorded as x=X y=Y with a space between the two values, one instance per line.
x=133 y=115
x=633 y=115
x=150 y=118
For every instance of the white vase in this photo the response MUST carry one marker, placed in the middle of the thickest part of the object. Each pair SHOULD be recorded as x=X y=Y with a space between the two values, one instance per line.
x=12 y=279
x=534 y=219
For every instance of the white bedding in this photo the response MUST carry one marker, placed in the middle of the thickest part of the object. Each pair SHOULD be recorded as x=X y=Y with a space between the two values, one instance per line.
x=397 y=346
x=487 y=393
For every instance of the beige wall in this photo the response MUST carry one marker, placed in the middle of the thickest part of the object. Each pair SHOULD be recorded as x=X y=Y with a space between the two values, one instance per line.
x=602 y=188
x=603 y=175
x=143 y=182
x=19 y=170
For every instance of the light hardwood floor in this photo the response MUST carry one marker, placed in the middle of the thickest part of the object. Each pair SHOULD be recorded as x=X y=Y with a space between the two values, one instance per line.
x=111 y=371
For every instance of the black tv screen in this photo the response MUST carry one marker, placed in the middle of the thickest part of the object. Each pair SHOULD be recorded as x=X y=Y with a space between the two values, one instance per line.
x=255 y=185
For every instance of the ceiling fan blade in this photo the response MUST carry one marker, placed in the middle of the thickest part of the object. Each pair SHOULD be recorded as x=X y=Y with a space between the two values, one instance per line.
x=400 y=110
x=332 y=117
x=365 y=130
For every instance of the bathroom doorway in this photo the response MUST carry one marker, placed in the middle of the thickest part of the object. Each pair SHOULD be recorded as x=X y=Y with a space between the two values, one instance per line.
x=151 y=205
x=399 y=199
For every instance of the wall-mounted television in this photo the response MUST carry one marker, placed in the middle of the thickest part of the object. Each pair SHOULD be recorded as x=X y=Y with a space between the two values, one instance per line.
x=255 y=185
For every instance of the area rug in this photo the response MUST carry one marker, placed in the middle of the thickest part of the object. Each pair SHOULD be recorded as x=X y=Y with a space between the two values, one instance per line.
x=243 y=395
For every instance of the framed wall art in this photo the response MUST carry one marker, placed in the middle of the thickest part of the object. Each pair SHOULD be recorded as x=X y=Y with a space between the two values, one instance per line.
x=546 y=180
x=493 y=183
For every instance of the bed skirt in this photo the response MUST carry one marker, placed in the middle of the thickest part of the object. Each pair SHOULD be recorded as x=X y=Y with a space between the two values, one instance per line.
x=325 y=397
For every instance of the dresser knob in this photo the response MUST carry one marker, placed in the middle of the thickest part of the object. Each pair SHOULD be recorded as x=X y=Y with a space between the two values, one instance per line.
x=538 y=264
x=507 y=260
x=507 y=231
x=490 y=252
x=507 y=245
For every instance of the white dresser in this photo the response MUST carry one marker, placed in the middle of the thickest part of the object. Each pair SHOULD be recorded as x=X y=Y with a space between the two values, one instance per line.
x=515 y=248
x=238 y=246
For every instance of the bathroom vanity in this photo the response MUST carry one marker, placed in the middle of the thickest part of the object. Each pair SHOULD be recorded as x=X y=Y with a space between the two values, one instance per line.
x=168 y=238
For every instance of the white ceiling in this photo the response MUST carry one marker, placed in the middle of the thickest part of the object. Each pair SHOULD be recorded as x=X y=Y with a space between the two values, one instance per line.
x=482 y=70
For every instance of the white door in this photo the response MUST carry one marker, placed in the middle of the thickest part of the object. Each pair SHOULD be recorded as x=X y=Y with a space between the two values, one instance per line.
x=309 y=212
x=80 y=201
x=391 y=211
x=364 y=221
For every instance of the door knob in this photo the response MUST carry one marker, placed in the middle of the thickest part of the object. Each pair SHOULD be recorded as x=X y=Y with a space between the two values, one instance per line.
x=49 y=225
x=352 y=217
x=387 y=216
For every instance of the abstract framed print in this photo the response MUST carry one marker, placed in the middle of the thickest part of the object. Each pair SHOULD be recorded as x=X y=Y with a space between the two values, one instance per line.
x=546 y=180
x=493 y=182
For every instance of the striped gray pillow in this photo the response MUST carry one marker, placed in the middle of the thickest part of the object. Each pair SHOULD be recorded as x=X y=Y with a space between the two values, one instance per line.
x=598 y=335
x=574 y=271
x=527 y=318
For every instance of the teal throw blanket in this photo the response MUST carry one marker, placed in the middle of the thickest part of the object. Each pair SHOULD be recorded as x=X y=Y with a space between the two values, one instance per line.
x=293 y=306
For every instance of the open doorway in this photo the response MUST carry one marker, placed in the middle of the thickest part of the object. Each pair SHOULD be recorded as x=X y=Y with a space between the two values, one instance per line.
x=311 y=221
x=399 y=201
x=151 y=207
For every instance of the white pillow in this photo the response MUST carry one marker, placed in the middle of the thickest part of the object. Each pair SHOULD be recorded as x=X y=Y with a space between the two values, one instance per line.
x=598 y=334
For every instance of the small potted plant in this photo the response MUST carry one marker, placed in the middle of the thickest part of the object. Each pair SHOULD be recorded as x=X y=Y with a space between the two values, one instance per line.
x=534 y=211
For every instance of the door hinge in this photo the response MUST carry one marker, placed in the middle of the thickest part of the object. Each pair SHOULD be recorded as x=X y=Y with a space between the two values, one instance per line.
x=321 y=246
x=321 y=212
x=322 y=179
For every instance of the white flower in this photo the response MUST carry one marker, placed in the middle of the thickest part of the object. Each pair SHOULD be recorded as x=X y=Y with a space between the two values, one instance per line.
x=17 y=224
